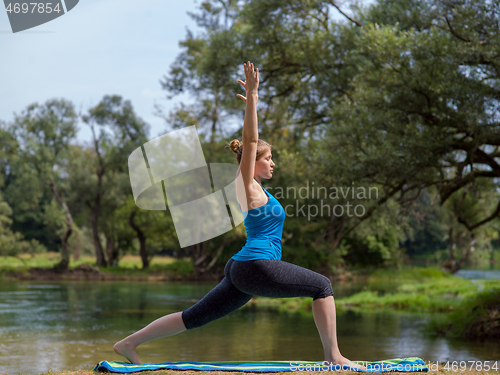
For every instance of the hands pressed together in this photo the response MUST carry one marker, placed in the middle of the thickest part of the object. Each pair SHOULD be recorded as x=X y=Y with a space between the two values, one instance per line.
x=251 y=85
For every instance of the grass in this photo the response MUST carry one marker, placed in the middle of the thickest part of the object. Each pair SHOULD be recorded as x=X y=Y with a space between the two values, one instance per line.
x=463 y=307
x=129 y=265
x=424 y=290
x=460 y=307
x=435 y=295
x=416 y=290
x=475 y=316
x=408 y=274
x=461 y=303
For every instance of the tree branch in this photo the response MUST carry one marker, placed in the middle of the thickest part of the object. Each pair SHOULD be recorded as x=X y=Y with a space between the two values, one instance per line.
x=494 y=215
x=453 y=31
x=345 y=15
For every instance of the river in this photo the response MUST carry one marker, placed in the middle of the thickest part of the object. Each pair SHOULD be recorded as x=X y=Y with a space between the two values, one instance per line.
x=73 y=325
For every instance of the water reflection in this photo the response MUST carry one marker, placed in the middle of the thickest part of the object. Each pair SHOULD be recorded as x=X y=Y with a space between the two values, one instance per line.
x=479 y=274
x=73 y=325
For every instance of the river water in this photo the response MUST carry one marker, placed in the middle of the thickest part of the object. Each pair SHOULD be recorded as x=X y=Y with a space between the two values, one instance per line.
x=73 y=325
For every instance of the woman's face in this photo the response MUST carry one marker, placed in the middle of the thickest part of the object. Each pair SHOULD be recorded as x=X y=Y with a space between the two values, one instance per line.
x=264 y=166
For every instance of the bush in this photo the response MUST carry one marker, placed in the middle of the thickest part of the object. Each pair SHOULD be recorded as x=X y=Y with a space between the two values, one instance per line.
x=180 y=267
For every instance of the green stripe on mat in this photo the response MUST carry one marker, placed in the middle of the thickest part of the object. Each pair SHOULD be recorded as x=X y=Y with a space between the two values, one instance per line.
x=409 y=364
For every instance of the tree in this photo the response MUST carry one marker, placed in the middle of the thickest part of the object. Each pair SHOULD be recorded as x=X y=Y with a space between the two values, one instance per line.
x=121 y=131
x=11 y=243
x=43 y=134
x=401 y=96
x=206 y=69
x=423 y=109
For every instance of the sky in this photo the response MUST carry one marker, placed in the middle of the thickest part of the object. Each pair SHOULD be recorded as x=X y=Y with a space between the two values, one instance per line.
x=100 y=47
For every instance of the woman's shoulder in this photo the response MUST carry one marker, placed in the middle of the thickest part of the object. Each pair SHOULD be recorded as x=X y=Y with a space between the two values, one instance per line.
x=253 y=195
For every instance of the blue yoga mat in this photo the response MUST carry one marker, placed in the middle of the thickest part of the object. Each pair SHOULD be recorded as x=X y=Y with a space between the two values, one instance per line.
x=409 y=364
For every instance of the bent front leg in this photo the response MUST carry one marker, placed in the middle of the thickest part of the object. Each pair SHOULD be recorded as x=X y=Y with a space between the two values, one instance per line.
x=220 y=301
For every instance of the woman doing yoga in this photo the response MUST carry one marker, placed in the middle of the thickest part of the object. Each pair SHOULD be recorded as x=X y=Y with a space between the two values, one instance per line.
x=257 y=269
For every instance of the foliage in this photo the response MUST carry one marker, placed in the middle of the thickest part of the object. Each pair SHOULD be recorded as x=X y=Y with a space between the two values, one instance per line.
x=476 y=316
x=120 y=132
x=399 y=96
x=13 y=243
x=39 y=139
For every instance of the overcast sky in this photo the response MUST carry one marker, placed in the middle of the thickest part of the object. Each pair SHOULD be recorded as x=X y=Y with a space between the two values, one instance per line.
x=100 y=47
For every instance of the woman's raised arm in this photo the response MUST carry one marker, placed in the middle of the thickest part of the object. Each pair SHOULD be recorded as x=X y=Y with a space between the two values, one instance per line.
x=250 y=127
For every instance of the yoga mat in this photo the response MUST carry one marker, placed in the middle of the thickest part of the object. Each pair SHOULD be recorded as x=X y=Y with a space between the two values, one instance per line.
x=408 y=364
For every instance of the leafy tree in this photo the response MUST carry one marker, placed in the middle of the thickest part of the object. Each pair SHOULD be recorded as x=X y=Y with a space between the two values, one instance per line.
x=43 y=134
x=153 y=230
x=121 y=132
x=206 y=69
x=11 y=243
x=422 y=110
x=400 y=96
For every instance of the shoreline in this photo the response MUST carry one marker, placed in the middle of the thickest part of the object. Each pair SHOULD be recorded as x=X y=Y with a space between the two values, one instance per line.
x=434 y=368
x=86 y=272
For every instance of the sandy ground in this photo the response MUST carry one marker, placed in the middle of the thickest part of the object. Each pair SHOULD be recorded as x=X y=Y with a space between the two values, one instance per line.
x=433 y=369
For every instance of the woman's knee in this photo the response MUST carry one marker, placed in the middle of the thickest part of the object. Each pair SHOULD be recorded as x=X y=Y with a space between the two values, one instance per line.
x=324 y=288
x=220 y=301
x=186 y=320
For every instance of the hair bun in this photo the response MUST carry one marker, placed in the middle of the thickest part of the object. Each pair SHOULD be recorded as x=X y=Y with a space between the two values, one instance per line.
x=235 y=145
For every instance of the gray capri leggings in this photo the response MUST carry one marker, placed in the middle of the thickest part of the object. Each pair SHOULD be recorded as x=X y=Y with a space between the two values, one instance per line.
x=262 y=277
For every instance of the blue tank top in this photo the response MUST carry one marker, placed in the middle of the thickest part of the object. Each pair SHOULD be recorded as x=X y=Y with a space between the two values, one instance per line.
x=264 y=227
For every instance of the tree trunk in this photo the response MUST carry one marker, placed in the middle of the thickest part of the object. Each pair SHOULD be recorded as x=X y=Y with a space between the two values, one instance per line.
x=200 y=253
x=112 y=252
x=216 y=256
x=101 y=261
x=62 y=266
x=215 y=117
x=452 y=264
x=77 y=247
x=142 y=240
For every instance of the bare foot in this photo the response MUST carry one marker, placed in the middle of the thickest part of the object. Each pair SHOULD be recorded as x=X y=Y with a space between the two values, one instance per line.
x=343 y=361
x=128 y=351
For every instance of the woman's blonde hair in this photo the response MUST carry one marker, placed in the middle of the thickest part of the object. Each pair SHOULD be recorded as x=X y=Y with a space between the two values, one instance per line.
x=237 y=147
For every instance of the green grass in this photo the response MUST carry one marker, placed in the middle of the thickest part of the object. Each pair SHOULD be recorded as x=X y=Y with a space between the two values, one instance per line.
x=435 y=295
x=407 y=274
x=129 y=265
x=27 y=261
x=417 y=290
x=460 y=307
x=171 y=266
x=478 y=315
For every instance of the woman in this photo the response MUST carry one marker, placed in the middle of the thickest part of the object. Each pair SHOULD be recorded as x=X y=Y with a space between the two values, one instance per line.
x=256 y=269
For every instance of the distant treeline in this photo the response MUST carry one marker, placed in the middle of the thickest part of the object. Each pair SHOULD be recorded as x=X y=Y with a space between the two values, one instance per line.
x=400 y=98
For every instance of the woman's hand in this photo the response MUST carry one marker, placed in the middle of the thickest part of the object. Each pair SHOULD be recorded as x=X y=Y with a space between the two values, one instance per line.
x=251 y=85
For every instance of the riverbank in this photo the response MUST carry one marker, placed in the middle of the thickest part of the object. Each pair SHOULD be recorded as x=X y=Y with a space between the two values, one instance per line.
x=40 y=267
x=161 y=268
x=459 y=307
